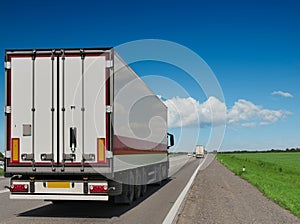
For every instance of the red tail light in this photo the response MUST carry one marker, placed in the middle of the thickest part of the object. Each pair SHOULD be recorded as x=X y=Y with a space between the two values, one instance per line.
x=98 y=189
x=19 y=188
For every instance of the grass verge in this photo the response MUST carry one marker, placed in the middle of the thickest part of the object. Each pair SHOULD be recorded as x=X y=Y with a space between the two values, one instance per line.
x=1 y=172
x=276 y=175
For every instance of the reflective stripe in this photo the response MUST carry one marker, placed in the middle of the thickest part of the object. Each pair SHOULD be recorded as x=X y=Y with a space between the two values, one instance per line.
x=15 y=150
x=101 y=150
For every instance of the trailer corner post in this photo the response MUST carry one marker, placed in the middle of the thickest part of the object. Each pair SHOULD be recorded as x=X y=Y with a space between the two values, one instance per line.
x=63 y=110
x=82 y=107
x=52 y=109
x=33 y=109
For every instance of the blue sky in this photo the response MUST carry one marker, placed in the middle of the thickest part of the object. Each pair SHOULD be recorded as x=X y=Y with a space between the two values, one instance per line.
x=253 y=48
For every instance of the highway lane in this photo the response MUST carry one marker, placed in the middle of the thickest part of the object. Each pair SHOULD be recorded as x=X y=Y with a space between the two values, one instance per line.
x=3 y=182
x=152 y=208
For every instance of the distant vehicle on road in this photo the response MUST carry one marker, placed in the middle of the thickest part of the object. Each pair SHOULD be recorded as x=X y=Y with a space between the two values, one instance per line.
x=189 y=154
x=199 y=151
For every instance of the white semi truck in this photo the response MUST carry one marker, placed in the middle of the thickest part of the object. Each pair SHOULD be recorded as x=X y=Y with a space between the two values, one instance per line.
x=81 y=125
x=199 y=151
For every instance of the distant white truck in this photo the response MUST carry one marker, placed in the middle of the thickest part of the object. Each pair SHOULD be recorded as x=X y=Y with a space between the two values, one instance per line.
x=199 y=151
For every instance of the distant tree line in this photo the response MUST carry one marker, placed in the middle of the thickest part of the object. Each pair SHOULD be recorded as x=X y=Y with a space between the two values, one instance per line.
x=266 y=151
x=177 y=153
x=292 y=150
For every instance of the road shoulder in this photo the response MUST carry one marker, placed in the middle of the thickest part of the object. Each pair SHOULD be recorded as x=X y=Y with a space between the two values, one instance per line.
x=219 y=196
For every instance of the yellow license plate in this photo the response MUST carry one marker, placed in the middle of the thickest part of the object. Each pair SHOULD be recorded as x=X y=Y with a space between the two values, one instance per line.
x=53 y=184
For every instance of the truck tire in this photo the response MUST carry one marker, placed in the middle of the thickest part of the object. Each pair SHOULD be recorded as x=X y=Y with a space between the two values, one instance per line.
x=127 y=195
x=145 y=181
x=164 y=172
x=138 y=185
x=158 y=181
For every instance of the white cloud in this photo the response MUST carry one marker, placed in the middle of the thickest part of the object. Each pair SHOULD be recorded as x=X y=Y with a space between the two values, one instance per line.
x=189 y=112
x=247 y=114
x=271 y=116
x=284 y=94
x=213 y=112
x=242 y=110
x=249 y=124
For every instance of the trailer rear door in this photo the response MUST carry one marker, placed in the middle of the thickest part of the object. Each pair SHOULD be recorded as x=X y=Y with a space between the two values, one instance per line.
x=56 y=108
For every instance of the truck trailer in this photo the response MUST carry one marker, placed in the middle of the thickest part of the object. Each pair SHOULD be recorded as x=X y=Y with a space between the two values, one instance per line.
x=81 y=125
x=199 y=151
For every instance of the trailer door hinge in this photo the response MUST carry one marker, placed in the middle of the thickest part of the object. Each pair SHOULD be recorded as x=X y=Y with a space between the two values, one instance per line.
x=109 y=64
x=7 y=65
x=108 y=154
x=8 y=154
x=109 y=109
x=7 y=109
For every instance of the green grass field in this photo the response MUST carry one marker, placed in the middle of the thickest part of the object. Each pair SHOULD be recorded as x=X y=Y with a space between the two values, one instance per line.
x=1 y=172
x=276 y=175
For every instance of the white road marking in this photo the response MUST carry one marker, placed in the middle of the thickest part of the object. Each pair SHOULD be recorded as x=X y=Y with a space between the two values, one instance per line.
x=173 y=211
x=4 y=191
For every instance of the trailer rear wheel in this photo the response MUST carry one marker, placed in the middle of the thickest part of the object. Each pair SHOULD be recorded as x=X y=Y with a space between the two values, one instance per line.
x=138 y=185
x=145 y=181
x=158 y=181
x=127 y=195
x=164 y=171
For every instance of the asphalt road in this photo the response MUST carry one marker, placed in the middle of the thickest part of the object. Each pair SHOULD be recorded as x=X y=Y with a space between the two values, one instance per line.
x=152 y=208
